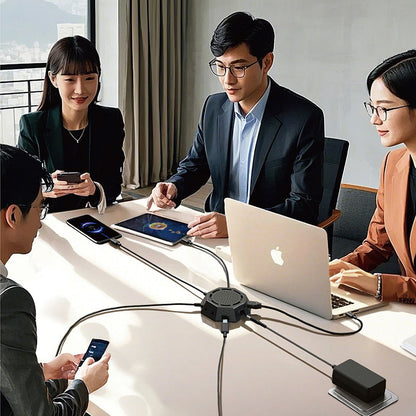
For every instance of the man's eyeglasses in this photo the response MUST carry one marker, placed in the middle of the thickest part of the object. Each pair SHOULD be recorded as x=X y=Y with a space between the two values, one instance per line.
x=219 y=69
x=381 y=111
x=44 y=206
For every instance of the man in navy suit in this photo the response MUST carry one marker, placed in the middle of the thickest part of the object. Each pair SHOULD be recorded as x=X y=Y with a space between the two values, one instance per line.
x=259 y=142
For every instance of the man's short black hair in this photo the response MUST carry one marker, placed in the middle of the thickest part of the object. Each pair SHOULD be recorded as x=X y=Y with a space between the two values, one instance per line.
x=241 y=27
x=21 y=177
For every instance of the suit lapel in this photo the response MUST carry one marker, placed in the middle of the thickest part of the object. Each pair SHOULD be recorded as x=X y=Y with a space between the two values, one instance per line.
x=270 y=125
x=225 y=125
x=53 y=138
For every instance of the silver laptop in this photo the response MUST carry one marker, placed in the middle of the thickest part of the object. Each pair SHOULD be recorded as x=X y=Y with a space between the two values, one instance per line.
x=287 y=259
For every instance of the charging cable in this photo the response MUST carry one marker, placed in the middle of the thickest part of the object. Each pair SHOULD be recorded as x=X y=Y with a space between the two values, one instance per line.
x=258 y=322
x=258 y=305
x=117 y=309
x=189 y=242
x=115 y=243
x=224 y=329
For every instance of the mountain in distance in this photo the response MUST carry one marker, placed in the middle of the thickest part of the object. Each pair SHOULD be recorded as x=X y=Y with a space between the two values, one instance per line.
x=30 y=21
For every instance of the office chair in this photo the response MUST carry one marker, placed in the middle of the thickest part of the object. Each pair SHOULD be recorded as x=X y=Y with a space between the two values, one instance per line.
x=357 y=205
x=335 y=155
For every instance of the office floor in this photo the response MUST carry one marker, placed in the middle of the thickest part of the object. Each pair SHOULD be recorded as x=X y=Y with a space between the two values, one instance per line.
x=195 y=201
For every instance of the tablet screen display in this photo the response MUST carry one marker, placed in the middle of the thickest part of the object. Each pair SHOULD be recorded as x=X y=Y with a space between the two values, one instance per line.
x=154 y=227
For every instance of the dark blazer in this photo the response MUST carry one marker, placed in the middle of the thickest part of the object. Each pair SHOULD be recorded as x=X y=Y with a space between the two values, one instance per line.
x=387 y=231
x=41 y=135
x=22 y=384
x=288 y=159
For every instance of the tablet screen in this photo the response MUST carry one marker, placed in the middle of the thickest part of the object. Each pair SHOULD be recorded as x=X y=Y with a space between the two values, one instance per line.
x=154 y=227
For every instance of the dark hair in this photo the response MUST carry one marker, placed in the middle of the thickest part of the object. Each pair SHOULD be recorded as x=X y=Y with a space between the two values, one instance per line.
x=241 y=27
x=21 y=177
x=72 y=55
x=399 y=76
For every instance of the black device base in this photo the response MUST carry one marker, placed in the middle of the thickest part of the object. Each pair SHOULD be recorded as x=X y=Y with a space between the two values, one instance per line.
x=225 y=303
x=358 y=381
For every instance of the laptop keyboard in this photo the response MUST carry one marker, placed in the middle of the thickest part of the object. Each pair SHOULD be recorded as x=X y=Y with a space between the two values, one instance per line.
x=338 y=302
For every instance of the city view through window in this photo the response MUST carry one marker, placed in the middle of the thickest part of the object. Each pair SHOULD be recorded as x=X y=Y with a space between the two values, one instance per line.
x=28 y=29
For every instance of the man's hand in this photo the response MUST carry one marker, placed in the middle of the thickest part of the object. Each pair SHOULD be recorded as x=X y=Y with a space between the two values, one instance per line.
x=162 y=195
x=63 y=366
x=210 y=225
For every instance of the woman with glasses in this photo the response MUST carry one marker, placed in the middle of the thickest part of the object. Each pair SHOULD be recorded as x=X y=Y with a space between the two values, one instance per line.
x=71 y=133
x=392 y=108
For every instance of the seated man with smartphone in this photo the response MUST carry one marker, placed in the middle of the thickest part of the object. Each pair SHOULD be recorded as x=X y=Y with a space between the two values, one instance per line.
x=26 y=386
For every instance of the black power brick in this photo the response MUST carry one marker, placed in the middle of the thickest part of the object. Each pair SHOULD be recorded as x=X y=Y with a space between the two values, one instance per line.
x=359 y=381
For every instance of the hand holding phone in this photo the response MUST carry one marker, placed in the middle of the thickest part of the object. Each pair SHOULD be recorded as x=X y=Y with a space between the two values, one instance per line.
x=95 y=350
x=69 y=177
x=94 y=375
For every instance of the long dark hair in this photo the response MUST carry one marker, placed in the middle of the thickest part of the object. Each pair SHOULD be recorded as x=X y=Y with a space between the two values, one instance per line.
x=399 y=76
x=72 y=55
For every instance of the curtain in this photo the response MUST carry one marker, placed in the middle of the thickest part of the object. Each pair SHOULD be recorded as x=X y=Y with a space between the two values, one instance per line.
x=151 y=89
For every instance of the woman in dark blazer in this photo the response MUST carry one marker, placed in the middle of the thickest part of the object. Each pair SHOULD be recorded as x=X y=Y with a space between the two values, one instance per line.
x=392 y=107
x=71 y=133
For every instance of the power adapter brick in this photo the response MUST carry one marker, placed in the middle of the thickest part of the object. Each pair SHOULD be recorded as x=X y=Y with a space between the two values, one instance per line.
x=358 y=381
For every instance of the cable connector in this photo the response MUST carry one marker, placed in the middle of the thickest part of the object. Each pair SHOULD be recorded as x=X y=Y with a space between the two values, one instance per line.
x=187 y=241
x=253 y=304
x=115 y=242
x=256 y=321
x=225 y=327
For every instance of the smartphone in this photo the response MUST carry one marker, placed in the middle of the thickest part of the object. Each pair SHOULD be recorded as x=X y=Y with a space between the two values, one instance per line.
x=96 y=349
x=70 y=177
x=93 y=229
x=154 y=227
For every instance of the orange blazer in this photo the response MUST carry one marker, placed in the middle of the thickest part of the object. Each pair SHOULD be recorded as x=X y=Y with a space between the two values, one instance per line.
x=387 y=231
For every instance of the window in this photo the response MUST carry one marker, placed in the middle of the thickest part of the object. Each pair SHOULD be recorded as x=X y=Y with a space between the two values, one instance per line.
x=24 y=51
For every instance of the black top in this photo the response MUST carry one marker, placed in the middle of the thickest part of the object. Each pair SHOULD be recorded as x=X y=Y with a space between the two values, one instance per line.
x=99 y=152
x=411 y=202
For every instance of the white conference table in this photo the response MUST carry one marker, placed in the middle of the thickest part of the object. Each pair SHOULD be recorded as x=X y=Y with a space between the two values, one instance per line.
x=164 y=360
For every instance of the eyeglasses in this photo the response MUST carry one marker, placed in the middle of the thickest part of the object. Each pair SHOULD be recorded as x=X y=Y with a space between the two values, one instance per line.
x=219 y=69
x=44 y=206
x=381 y=111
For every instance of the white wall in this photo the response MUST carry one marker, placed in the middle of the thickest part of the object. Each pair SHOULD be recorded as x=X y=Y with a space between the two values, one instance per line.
x=107 y=43
x=324 y=50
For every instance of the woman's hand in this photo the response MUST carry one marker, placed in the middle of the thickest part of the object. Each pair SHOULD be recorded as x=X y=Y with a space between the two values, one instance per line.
x=60 y=188
x=348 y=274
x=63 y=366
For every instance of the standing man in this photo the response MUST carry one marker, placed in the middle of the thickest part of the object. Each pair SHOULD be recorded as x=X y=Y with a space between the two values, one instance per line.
x=259 y=142
x=28 y=388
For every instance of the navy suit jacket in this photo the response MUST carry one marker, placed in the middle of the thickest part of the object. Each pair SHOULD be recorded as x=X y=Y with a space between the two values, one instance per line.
x=288 y=160
x=41 y=135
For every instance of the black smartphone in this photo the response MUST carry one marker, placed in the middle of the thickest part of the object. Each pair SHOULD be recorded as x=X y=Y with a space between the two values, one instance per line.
x=96 y=349
x=70 y=177
x=93 y=229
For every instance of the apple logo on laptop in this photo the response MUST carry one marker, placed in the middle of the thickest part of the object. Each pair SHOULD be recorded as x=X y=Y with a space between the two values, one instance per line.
x=277 y=256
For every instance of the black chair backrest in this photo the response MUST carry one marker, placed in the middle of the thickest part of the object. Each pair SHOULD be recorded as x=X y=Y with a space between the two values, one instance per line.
x=357 y=205
x=335 y=155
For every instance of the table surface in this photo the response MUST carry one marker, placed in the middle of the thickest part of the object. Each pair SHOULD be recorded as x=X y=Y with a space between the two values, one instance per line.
x=164 y=359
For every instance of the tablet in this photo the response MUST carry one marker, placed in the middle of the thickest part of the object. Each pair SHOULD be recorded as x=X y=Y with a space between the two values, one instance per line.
x=156 y=228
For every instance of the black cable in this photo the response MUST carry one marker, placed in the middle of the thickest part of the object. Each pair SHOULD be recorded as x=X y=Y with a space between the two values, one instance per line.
x=211 y=253
x=115 y=243
x=116 y=309
x=351 y=315
x=224 y=329
x=256 y=321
